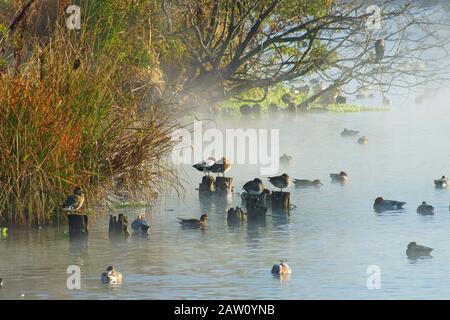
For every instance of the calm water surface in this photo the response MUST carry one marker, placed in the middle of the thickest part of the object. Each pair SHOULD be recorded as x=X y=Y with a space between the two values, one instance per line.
x=329 y=240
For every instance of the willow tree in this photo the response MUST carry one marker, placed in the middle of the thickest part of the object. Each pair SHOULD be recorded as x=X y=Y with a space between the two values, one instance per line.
x=226 y=47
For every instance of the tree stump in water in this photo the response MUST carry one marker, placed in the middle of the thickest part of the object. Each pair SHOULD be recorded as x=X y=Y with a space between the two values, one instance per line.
x=224 y=185
x=255 y=204
x=235 y=215
x=207 y=186
x=78 y=226
x=118 y=226
x=281 y=200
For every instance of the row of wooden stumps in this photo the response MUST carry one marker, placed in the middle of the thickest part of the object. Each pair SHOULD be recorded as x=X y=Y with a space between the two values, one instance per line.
x=118 y=227
x=219 y=186
x=257 y=205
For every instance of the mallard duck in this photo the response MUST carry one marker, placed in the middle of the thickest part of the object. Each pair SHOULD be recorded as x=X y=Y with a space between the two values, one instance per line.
x=285 y=159
x=442 y=182
x=254 y=187
x=75 y=201
x=140 y=225
x=221 y=166
x=111 y=276
x=205 y=165
x=339 y=177
x=194 y=223
x=415 y=250
x=382 y=205
x=307 y=183
x=349 y=133
x=425 y=208
x=281 y=269
x=281 y=182
x=363 y=140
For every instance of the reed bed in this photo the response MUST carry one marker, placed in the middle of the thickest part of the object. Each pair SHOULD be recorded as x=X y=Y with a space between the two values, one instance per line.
x=77 y=112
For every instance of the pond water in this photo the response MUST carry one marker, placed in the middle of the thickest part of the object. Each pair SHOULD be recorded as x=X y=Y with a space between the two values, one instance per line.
x=329 y=240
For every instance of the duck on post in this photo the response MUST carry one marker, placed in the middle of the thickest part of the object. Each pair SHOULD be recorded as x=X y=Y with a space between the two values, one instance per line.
x=78 y=223
x=280 y=199
x=254 y=196
x=223 y=185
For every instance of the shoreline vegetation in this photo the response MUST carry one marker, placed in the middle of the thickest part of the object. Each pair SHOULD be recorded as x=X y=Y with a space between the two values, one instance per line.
x=95 y=106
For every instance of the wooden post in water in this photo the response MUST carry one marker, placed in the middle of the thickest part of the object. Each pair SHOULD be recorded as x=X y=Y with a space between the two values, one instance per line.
x=224 y=185
x=207 y=186
x=78 y=226
x=118 y=226
x=281 y=200
x=255 y=205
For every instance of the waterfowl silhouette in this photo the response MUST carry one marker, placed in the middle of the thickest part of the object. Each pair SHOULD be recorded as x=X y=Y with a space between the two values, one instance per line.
x=415 y=250
x=307 y=183
x=205 y=165
x=442 y=182
x=75 y=201
x=379 y=50
x=363 y=140
x=385 y=205
x=281 y=269
x=140 y=225
x=221 y=166
x=339 y=177
x=112 y=276
x=425 y=209
x=281 y=182
x=349 y=133
x=285 y=159
x=194 y=223
x=254 y=187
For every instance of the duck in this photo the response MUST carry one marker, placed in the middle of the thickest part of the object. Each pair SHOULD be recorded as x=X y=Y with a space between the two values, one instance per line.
x=363 y=140
x=281 y=182
x=254 y=187
x=415 y=250
x=140 y=225
x=285 y=159
x=442 y=182
x=205 y=165
x=221 y=166
x=281 y=269
x=194 y=223
x=307 y=183
x=425 y=208
x=349 y=133
x=75 y=201
x=339 y=177
x=111 y=276
x=382 y=205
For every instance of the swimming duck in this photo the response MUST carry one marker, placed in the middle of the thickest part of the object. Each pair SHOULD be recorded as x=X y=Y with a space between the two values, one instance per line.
x=381 y=205
x=339 y=177
x=281 y=182
x=254 y=187
x=194 y=223
x=285 y=159
x=425 y=208
x=442 y=182
x=281 y=269
x=75 y=201
x=349 y=133
x=307 y=183
x=363 y=140
x=221 y=166
x=112 y=276
x=140 y=225
x=415 y=250
x=204 y=165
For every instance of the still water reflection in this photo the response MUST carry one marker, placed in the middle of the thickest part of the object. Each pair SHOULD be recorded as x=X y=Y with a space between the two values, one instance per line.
x=329 y=240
